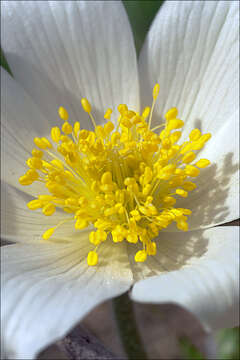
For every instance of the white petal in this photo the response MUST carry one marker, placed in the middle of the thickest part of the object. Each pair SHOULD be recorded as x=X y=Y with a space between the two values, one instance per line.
x=216 y=200
x=75 y=49
x=21 y=121
x=48 y=288
x=208 y=285
x=192 y=51
x=19 y=224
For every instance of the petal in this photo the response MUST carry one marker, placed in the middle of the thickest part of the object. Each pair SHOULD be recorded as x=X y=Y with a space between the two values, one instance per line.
x=208 y=285
x=21 y=122
x=62 y=51
x=215 y=201
x=48 y=288
x=192 y=51
x=19 y=224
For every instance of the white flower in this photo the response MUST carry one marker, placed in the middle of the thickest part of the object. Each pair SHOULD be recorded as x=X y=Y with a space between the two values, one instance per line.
x=62 y=51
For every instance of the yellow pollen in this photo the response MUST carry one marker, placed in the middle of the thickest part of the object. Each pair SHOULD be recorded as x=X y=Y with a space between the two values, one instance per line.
x=124 y=181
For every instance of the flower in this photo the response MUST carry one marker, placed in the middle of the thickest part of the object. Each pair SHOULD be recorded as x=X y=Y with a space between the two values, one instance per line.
x=61 y=52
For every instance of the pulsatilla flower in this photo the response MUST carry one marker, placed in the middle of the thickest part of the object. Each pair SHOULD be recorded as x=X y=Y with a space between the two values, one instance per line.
x=123 y=196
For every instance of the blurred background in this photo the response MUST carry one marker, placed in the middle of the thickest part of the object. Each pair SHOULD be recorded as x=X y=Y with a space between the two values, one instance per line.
x=163 y=339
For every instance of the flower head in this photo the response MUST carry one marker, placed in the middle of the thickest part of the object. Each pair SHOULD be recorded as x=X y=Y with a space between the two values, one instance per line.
x=122 y=170
x=124 y=180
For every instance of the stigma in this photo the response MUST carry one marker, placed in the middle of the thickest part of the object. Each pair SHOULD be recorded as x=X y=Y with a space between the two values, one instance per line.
x=123 y=179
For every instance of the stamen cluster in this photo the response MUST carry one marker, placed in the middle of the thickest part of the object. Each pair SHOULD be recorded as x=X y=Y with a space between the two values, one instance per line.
x=124 y=180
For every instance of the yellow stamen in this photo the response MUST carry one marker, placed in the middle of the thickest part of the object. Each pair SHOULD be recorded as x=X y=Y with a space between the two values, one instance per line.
x=108 y=114
x=125 y=181
x=63 y=113
x=92 y=258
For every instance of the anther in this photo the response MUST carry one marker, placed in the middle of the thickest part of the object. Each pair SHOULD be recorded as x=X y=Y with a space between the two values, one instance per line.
x=63 y=113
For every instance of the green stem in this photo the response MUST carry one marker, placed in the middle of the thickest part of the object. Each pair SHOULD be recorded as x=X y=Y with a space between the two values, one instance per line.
x=131 y=339
x=3 y=62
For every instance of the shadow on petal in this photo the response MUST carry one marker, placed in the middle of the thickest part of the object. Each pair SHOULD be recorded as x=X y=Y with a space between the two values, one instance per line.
x=174 y=251
x=211 y=201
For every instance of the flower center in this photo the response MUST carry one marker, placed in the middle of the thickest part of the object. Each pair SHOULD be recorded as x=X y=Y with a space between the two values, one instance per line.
x=125 y=180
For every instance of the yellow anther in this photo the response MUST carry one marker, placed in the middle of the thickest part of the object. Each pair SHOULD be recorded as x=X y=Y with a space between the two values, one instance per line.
x=63 y=113
x=100 y=131
x=144 y=210
x=122 y=108
x=151 y=248
x=109 y=211
x=202 y=163
x=97 y=237
x=48 y=233
x=48 y=209
x=175 y=124
x=136 y=120
x=35 y=204
x=93 y=239
x=132 y=238
x=177 y=213
x=186 y=211
x=130 y=114
x=58 y=163
x=169 y=168
x=146 y=190
x=188 y=147
x=92 y=258
x=146 y=112
x=81 y=224
x=189 y=157
x=45 y=197
x=149 y=200
x=205 y=137
x=141 y=256
x=192 y=171
x=181 y=192
x=101 y=235
x=25 y=180
x=136 y=215
x=189 y=186
x=39 y=143
x=156 y=91
x=76 y=128
x=86 y=105
x=108 y=127
x=182 y=225
x=148 y=174
x=37 y=153
x=174 y=137
x=126 y=122
x=195 y=135
x=67 y=128
x=55 y=134
x=108 y=114
x=83 y=134
x=34 y=163
x=106 y=178
x=46 y=142
x=171 y=114
x=168 y=200
x=166 y=144
x=32 y=174
x=116 y=237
